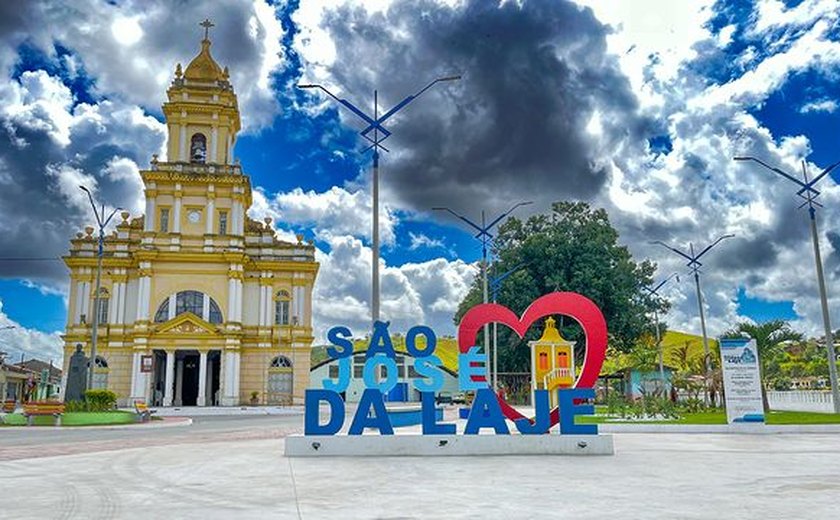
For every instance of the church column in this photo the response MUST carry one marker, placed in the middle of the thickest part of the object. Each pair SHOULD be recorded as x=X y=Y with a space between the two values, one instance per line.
x=121 y=302
x=211 y=213
x=179 y=381
x=149 y=218
x=176 y=225
x=170 y=375
x=138 y=379
x=144 y=289
x=231 y=378
x=80 y=293
x=229 y=151
x=202 y=378
x=214 y=144
x=85 y=310
x=182 y=151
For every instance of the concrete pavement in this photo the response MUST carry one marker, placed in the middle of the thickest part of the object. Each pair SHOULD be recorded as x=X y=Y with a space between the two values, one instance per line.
x=651 y=476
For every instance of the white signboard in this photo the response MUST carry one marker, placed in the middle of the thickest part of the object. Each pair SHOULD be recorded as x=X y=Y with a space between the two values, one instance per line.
x=741 y=380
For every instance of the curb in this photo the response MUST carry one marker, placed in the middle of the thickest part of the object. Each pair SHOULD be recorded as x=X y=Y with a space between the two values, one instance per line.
x=169 y=422
x=743 y=429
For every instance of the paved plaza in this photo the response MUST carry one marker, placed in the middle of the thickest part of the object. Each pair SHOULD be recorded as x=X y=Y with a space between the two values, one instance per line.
x=232 y=467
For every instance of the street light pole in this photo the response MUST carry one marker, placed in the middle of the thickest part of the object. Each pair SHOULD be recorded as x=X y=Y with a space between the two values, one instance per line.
x=375 y=125
x=694 y=264
x=486 y=238
x=654 y=291
x=809 y=193
x=495 y=287
x=102 y=223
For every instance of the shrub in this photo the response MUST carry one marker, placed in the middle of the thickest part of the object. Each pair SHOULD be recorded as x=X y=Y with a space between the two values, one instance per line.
x=100 y=400
x=75 y=406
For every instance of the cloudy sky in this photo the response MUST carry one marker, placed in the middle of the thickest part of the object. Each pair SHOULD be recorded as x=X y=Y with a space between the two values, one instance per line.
x=635 y=106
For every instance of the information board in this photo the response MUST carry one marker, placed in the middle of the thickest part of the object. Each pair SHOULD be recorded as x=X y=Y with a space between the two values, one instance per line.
x=741 y=380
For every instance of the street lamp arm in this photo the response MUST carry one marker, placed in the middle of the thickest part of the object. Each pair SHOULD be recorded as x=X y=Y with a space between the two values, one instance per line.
x=823 y=173
x=663 y=244
x=366 y=118
x=399 y=106
x=773 y=169
x=93 y=205
x=713 y=244
x=465 y=219
x=508 y=212
x=111 y=216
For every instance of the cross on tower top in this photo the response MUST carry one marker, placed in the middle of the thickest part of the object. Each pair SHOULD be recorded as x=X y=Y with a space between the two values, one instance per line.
x=207 y=24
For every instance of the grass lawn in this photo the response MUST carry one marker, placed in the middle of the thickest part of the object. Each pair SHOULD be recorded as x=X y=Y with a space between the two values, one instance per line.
x=76 y=419
x=719 y=417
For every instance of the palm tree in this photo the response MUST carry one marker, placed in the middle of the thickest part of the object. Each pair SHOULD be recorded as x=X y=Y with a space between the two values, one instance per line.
x=769 y=338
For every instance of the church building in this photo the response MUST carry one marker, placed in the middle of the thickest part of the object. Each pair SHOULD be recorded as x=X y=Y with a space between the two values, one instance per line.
x=199 y=304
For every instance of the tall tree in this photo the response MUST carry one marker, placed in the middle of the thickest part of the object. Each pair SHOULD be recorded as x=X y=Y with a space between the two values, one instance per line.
x=572 y=248
x=769 y=337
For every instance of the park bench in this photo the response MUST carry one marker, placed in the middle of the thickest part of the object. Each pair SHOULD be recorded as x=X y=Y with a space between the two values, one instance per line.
x=143 y=411
x=35 y=409
x=8 y=406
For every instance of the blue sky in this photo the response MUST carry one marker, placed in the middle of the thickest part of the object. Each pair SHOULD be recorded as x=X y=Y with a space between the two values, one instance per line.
x=658 y=95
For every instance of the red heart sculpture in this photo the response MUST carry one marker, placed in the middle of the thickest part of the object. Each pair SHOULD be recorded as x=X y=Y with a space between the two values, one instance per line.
x=570 y=304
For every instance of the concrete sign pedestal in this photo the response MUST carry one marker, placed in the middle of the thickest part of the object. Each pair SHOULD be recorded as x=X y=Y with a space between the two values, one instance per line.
x=446 y=445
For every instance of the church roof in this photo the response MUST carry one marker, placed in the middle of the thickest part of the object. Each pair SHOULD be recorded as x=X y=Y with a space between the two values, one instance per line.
x=203 y=67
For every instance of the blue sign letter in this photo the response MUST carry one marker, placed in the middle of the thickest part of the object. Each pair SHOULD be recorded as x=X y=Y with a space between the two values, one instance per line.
x=466 y=370
x=340 y=337
x=411 y=341
x=380 y=340
x=568 y=409
x=486 y=413
x=371 y=398
x=428 y=367
x=343 y=377
x=312 y=402
x=542 y=418
x=430 y=425
x=372 y=365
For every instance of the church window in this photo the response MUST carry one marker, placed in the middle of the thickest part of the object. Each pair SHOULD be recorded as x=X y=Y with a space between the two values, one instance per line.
x=543 y=364
x=223 y=222
x=281 y=362
x=164 y=220
x=195 y=302
x=281 y=308
x=162 y=313
x=215 y=315
x=198 y=148
x=333 y=371
x=189 y=301
x=102 y=309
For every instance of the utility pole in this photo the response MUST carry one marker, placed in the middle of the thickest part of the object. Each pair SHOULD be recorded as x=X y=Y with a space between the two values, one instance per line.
x=102 y=223
x=808 y=192
x=486 y=238
x=374 y=124
x=495 y=287
x=694 y=264
x=654 y=292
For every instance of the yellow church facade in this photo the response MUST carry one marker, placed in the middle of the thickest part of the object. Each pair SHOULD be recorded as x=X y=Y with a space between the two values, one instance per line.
x=199 y=305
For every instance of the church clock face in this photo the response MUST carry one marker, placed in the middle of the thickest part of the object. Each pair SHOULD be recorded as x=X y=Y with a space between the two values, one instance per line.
x=194 y=216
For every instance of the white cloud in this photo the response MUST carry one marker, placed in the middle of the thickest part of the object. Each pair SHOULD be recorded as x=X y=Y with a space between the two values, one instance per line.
x=420 y=240
x=819 y=105
x=131 y=48
x=31 y=343
x=411 y=294
x=337 y=210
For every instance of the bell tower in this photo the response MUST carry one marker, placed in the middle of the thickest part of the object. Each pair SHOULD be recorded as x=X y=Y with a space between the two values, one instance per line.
x=198 y=197
x=202 y=112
